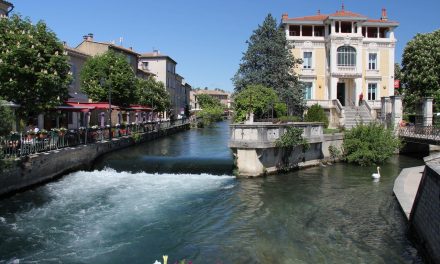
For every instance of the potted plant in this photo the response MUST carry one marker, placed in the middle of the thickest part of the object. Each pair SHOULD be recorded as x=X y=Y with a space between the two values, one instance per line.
x=30 y=134
x=42 y=134
x=62 y=131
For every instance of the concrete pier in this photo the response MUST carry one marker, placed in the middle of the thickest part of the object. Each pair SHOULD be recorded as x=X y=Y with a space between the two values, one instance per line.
x=406 y=186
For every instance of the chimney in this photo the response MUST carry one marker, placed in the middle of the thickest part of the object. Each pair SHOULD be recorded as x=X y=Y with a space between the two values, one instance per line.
x=285 y=16
x=319 y=11
x=64 y=44
x=131 y=48
x=90 y=37
x=155 y=52
x=85 y=37
x=384 y=15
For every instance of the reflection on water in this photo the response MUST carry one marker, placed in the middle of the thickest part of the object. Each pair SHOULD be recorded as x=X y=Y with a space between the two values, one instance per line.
x=144 y=204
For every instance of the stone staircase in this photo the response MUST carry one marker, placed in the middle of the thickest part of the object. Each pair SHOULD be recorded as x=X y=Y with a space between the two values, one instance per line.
x=355 y=115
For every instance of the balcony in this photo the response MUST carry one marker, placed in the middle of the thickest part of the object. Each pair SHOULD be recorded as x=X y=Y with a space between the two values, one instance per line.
x=347 y=71
x=308 y=72
x=373 y=73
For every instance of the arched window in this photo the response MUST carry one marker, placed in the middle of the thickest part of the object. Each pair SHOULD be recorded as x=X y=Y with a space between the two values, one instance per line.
x=346 y=56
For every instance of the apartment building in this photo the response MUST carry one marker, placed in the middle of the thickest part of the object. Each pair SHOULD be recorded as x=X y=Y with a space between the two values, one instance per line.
x=164 y=69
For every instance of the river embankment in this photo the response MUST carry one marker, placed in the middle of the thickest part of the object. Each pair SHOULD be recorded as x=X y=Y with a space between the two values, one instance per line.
x=41 y=167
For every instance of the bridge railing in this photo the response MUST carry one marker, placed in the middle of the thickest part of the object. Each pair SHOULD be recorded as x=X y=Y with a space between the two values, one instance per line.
x=421 y=132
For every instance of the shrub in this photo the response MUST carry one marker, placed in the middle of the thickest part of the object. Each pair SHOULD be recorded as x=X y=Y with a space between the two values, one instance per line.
x=210 y=115
x=316 y=114
x=292 y=138
x=369 y=144
x=285 y=119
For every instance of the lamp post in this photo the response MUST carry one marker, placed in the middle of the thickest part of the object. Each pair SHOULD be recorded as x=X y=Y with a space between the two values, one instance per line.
x=109 y=107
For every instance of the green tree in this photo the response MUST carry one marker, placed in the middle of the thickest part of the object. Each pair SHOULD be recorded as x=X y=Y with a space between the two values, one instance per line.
x=153 y=93
x=421 y=69
x=369 y=144
x=109 y=71
x=210 y=114
x=6 y=119
x=34 y=70
x=206 y=100
x=254 y=98
x=268 y=61
x=316 y=114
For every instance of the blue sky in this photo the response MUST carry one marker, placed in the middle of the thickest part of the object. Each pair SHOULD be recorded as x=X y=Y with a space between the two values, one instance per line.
x=206 y=38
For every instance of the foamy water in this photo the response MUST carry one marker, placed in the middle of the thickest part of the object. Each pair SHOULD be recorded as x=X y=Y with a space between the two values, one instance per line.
x=88 y=214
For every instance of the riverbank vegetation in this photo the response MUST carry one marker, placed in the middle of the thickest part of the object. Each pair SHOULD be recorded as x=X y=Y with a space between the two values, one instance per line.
x=316 y=114
x=212 y=110
x=368 y=144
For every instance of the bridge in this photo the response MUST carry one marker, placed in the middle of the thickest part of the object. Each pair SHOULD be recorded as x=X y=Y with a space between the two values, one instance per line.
x=420 y=134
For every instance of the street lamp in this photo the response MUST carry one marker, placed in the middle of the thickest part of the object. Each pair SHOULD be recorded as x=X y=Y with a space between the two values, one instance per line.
x=102 y=82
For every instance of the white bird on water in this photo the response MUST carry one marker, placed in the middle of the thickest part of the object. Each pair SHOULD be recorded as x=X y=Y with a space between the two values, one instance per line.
x=376 y=175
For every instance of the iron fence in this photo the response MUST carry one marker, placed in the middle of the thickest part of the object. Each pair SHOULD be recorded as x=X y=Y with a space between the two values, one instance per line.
x=23 y=144
x=431 y=133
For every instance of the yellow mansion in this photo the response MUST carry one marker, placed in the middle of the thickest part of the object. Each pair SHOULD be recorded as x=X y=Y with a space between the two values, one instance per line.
x=344 y=55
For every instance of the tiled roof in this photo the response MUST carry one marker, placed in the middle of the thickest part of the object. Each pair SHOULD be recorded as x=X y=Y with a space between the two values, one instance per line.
x=111 y=45
x=310 y=18
x=340 y=13
x=344 y=13
x=75 y=51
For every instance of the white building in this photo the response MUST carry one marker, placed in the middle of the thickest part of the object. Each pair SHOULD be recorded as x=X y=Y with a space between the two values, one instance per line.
x=164 y=68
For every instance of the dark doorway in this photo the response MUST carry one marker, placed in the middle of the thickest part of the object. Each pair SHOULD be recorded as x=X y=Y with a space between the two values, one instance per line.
x=341 y=93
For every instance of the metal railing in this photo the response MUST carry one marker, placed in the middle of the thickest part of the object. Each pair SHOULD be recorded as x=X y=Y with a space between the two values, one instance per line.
x=421 y=133
x=23 y=144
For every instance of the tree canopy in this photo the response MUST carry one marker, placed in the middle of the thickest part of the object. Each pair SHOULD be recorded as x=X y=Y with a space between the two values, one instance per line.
x=254 y=98
x=421 y=68
x=109 y=71
x=268 y=61
x=153 y=93
x=34 y=71
x=206 y=100
x=6 y=119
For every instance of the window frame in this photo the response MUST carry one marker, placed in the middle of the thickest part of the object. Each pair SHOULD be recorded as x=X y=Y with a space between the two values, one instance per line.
x=370 y=89
x=346 y=56
x=309 y=65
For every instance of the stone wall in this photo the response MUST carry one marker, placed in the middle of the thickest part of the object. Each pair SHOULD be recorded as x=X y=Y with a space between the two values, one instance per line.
x=46 y=166
x=254 y=147
x=425 y=213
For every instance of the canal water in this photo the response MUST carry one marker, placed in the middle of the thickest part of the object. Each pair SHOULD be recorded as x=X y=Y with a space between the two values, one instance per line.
x=177 y=196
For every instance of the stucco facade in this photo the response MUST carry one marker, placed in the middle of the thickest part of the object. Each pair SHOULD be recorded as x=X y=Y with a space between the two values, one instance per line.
x=164 y=69
x=91 y=47
x=344 y=54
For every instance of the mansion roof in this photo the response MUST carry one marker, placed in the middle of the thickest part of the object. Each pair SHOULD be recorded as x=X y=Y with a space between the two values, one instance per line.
x=339 y=15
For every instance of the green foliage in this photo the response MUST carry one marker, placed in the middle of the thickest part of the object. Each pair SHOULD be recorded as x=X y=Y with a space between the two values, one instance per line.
x=34 y=71
x=291 y=138
x=285 y=119
x=421 y=69
x=254 y=98
x=316 y=114
x=369 y=144
x=331 y=130
x=269 y=62
x=206 y=100
x=6 y=119
x=335 y=153
x=137 y=137
x=153 y=93
x=109 y=71
x=210 y=114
